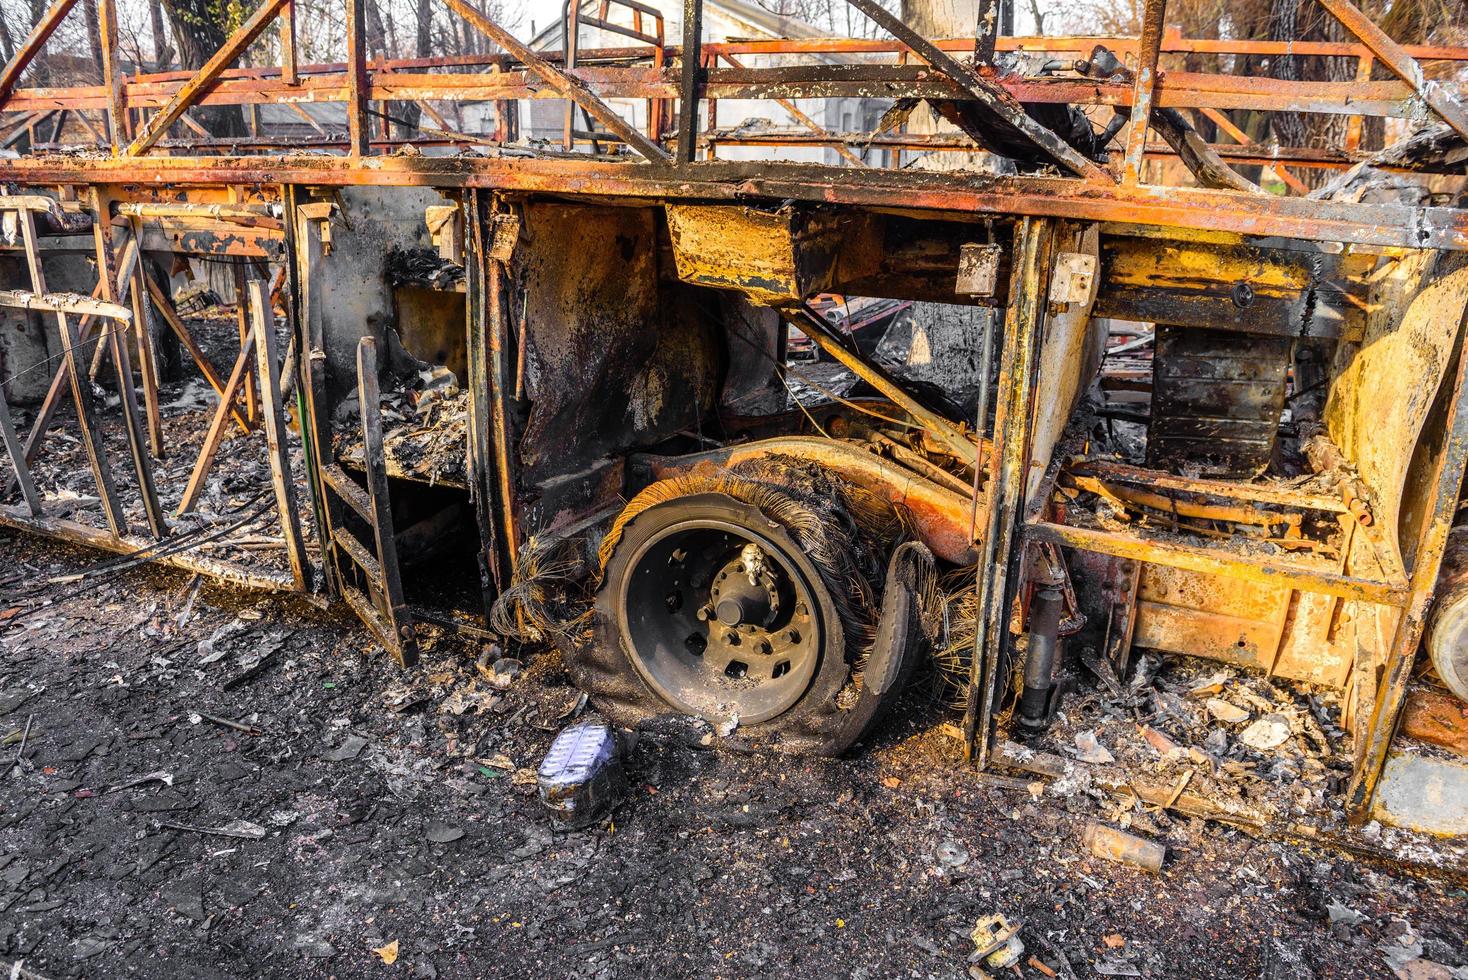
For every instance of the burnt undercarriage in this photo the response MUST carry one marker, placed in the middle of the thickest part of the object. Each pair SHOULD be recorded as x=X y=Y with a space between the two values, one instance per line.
x=549 y=398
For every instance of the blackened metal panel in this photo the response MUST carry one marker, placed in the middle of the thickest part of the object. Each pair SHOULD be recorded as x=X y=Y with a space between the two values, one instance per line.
x=1216 y=401
x=616 y=358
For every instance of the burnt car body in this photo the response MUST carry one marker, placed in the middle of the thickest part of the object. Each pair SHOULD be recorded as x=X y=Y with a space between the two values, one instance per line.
x=601 y=451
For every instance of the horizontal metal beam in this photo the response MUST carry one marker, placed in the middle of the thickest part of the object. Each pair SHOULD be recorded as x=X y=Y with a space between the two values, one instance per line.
x=1178 y=90
x=1270 y=571
x=64 y=303
x=959 y=196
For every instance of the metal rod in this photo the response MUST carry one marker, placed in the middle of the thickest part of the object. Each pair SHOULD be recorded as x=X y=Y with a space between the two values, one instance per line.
x=273 y=416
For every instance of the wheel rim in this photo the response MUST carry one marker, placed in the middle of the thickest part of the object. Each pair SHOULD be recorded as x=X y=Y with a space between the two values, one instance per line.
x=720 y=621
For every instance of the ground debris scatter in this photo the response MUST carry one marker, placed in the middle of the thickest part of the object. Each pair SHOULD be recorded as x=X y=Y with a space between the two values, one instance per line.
x=332 y=815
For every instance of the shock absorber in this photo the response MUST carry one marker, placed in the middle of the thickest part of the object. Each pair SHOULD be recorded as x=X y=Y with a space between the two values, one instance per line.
x=1041 y=695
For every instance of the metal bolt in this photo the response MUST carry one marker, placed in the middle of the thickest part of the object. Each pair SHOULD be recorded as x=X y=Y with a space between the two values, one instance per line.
x=731 y=638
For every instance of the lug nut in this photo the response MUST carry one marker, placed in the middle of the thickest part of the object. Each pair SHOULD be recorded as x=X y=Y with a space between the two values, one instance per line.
x=731 y=638
x=763 y=646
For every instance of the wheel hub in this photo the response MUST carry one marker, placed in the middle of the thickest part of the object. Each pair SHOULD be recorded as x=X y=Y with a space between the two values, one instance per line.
x=718 y=619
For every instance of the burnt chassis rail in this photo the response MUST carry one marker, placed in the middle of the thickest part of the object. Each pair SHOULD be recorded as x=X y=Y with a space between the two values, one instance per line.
x=137 y=172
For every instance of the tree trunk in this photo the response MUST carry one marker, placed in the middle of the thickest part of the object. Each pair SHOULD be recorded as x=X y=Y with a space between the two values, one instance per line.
x=199 y=28
x=162 y=50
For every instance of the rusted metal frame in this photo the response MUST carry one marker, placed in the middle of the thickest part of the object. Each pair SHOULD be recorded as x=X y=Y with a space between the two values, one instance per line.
x=499 y=395
x=989 y=94
x=691 y=80
x=81 y=390
x=17 y=458
x=148 y=365
x=480 y=444
x=1293 y=574
x=809 y=123
x=814 y=327
x=1364 y=66
x=1145 y=83
x=957 y=142
x=242 y=326
x=1390 y=225
x=1226 y=124
x=1008 y=474
x=391 y=605
x=1171 y=44
x=118 y=340
x=1391 y=692
x=273 y=424
x=358 y=135
x=1125 y=473
x=31 y=47
x=1403 y=65
x=289 y=70
x=303 y=253
x=118 y=128
x=239 y=213
x=214 y=437
x=1183 y=90
x=569 y=86
x=273 y=415
x=63 y=303
x=75 y=533
x=197 y=85
x=60 y=380
x=185 y=337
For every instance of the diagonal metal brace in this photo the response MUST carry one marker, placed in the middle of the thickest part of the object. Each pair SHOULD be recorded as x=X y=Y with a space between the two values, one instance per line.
x=568 y=85
x=988 y=94
x=43 y=30
x=1403 y=65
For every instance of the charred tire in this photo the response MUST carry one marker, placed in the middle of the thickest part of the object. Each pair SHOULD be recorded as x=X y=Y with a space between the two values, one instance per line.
x=656 y=649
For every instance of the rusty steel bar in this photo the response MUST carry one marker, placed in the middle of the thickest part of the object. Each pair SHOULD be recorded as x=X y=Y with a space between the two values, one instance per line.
x=85 y=536
x=81 y=389
x=1124 y=473
x=263 y=323
x=1008 y=469
x=1403 y=65
x=215 y=435
x=569 y=86
x=64 y=303
x=186 y=96
x=1290 y=574
x=952 y=438
x=358 y=139
x=1144 y=84
x=1183 y=90
x=289 y=70
x=31 y=47
x=691 y=81
x=913 y=192
x=148 y=364
x=986 y=93
x=118 y=341
x=117 y=114
x=180 y=329
x=17 y=458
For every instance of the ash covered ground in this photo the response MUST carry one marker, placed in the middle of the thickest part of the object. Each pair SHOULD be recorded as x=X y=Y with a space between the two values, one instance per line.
x=395 y=811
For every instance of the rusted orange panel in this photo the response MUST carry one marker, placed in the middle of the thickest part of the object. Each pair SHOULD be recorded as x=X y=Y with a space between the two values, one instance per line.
x=774 y=257
x=1251 y=624
x=1438 y=719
